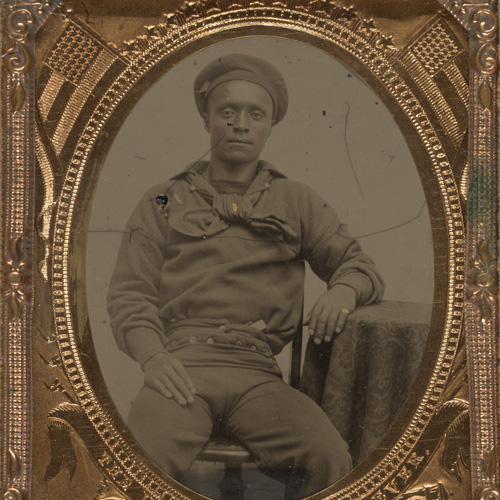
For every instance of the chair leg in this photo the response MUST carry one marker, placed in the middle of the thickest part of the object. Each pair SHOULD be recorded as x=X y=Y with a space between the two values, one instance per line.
x=232 y=486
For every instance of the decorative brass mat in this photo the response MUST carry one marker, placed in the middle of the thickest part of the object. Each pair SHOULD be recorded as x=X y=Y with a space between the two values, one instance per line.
x=72 y=72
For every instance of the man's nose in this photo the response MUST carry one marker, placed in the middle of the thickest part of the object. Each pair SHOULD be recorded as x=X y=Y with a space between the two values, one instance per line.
x=241 y=122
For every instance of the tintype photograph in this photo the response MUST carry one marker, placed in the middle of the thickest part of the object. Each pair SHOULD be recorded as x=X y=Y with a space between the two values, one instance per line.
x=249 y=250
x=200 y=233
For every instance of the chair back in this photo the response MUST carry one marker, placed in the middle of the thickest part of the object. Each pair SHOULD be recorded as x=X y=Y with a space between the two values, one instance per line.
x=296 y=359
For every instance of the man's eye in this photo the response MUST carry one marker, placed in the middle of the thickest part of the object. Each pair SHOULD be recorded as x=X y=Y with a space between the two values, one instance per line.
x=257 y=115
x=227 y=113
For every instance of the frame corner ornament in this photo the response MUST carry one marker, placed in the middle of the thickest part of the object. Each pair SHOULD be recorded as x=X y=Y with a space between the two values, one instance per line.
x=481 y=21
x=484 y=24
x=18 y=60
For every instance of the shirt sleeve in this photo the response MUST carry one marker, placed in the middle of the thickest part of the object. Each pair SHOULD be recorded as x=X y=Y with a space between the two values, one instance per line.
x=134 y=290
x=335 y=256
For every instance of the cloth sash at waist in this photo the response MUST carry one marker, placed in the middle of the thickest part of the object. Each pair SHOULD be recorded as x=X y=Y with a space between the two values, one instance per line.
x=216 y=333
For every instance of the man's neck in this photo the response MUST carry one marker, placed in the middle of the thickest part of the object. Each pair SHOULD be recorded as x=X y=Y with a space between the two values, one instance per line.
x=217 y=171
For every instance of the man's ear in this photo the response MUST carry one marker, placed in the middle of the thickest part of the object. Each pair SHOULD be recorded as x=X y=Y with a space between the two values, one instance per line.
x=206 y=121
x=271 y=128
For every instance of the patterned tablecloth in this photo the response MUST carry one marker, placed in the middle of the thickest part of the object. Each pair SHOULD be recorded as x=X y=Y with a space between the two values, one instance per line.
x=362 y=378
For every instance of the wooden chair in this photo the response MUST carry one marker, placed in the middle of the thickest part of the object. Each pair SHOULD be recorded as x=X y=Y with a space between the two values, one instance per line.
x=234 y=455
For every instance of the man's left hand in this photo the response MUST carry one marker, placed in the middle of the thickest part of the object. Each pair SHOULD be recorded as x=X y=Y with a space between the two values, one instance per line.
x=330 y=312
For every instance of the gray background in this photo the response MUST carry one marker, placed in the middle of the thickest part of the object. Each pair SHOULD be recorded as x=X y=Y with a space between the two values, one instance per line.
x=335 y=126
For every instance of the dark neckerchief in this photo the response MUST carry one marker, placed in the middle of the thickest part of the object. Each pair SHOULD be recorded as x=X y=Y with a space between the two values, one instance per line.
x=217 y=211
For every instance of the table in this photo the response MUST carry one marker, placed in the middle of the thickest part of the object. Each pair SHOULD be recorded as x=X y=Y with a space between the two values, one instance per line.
x=362 y=378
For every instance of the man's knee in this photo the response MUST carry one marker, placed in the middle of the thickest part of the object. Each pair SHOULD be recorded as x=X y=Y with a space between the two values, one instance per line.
x=314 y=452
x=324 y=450
x=335 y=460
x=312 y=465
x=319 y=462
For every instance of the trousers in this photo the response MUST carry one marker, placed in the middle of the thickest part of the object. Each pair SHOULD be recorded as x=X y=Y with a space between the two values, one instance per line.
x=285 y=430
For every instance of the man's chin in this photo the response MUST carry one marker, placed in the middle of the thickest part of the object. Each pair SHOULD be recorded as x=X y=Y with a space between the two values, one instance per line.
x=236 y=160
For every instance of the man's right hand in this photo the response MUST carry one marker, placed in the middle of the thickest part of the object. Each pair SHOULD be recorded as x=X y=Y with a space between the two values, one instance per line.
x=167 y=375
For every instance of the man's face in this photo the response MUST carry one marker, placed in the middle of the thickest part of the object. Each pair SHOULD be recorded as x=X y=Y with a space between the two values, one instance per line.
x=239 y=119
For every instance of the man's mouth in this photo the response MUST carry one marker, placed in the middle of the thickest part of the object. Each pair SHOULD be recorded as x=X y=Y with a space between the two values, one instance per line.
x=238 y=141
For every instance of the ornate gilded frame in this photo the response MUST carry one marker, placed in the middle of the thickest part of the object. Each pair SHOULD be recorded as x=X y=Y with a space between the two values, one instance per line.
x=43 y=312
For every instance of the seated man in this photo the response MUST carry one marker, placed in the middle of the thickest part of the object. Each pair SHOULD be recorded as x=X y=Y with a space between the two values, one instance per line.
x=209 y=284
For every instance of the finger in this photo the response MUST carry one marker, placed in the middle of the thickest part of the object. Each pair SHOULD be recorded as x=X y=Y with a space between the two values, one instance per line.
x=319 y=331
x=185 y=377
x=160 y=387
x=314 y=316
x=180 y=384
x=332 y=322
x=342 y=320
x=175 y=392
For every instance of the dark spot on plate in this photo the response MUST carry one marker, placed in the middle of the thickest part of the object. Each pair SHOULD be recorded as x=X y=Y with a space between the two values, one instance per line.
x=161 y=199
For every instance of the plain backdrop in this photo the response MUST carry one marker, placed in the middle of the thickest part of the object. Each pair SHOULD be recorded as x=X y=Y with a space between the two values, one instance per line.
x=337 y=137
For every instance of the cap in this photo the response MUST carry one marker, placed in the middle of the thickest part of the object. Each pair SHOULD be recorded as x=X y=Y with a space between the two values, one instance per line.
x=242 y=67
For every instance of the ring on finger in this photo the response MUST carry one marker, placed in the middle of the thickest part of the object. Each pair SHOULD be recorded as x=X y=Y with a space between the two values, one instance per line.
x=345 y=311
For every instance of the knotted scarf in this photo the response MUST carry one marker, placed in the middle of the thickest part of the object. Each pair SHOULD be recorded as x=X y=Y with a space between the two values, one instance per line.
x=216 y=212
